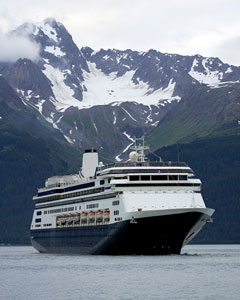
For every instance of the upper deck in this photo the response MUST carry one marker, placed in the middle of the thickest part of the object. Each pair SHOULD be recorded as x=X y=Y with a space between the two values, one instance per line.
x=142 y=164
x=144 y=167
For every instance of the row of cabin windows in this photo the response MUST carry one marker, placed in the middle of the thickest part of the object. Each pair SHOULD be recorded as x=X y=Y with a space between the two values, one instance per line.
x=65 y=209
x=64 y=196
x=157 y=177
x=58 y=210
x=94 y=205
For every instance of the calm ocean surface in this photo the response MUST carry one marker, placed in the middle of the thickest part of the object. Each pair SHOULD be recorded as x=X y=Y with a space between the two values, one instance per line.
x=201 y=272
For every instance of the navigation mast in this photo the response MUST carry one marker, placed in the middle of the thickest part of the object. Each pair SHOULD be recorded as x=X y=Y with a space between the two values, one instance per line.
x=139 y=147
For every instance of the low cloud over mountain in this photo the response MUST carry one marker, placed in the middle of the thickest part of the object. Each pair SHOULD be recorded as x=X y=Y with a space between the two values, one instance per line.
x=14 y=47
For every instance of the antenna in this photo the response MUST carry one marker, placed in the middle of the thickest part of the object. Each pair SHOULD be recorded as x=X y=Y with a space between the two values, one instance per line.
x=178 y=151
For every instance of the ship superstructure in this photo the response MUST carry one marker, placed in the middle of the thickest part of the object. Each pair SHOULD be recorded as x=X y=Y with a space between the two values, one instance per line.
x=133 y=207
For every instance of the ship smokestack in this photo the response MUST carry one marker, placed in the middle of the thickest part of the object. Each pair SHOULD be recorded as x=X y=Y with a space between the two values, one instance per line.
x=89 y=163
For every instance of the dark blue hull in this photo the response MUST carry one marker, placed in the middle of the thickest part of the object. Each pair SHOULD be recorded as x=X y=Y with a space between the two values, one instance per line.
x=150 y=236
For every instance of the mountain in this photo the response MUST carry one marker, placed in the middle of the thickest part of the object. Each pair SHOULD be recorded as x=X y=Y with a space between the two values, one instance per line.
x=215 y=113
x=71 y=98
x=95 y=97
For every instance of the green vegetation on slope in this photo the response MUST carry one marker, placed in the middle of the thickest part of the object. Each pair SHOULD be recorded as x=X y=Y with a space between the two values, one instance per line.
x=204 y=113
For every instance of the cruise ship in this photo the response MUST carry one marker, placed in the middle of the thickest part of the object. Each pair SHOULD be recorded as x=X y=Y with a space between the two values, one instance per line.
x=133 y=207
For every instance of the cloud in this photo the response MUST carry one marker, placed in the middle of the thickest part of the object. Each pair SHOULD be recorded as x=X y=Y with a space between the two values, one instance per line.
x=185 y=27
x=229 y=50
x=14 y=47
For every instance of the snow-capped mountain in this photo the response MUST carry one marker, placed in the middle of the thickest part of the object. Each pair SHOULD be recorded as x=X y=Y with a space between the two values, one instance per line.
x=103 y=98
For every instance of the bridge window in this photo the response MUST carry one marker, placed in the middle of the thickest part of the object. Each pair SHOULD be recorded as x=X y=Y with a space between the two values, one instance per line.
x=134 y=178
x=159 y=177
x=182 y=177
x=173 y=177
x=145 y=177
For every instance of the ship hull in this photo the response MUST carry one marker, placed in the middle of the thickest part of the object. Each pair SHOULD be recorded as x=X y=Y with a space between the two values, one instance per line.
x=147 y=236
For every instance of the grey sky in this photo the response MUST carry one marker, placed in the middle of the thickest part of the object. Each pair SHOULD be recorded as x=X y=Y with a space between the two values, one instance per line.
x=206 y=27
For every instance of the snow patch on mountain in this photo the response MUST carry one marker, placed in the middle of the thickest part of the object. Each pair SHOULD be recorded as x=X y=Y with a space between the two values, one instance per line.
x=129 y=114
x=70 y=141
x=40 y=105
x=128 y=136
x=63 y=93
x=117 y=158
x=55 y=51
x=115 y=118
x=223 y=84
x=229 y=70
x=207 y=76
x=94 y=125
x=48 y=30
x=104 y=89
x=101 y=89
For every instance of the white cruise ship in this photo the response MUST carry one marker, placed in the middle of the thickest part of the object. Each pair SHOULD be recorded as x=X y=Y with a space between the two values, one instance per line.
x=133 y=207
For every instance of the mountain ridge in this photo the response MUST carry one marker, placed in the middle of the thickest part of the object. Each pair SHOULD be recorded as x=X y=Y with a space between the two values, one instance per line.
x=69 y=80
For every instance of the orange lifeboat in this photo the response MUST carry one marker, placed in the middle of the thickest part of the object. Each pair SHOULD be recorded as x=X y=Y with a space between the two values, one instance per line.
x=106 y=216
x=91 y=216
x=84 y=216
x=99 y=216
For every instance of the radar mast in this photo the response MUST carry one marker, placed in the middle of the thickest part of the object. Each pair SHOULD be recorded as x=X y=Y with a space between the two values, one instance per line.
x=139 y=147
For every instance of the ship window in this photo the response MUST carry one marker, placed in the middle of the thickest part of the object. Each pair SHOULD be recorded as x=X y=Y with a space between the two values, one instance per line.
x=38 y=220
x=102 y=182
x=70 y=208
x=182 y=177
x=94 y=205
x=134 y=178
x=159 y=177
x=173 y=177
x=116 y=202
x=39 y=213
x=45 y=212
x=109 y=180
x=145 y=177
x=116 y=212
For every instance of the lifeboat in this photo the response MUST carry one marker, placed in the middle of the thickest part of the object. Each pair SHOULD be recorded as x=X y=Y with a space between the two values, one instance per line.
x=70 y=219
x=106 y=216
x=91 y=217
x=99 y=216
x=84 y=216
x=76 y=217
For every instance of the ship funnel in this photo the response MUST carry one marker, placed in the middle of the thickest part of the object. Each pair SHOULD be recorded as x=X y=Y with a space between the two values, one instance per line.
x=89 y=163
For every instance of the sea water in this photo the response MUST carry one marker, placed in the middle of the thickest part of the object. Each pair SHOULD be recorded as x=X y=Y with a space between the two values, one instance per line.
x=200 y=272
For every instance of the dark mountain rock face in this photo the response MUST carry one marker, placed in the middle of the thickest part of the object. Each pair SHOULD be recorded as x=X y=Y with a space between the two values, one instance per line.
x=27 y=77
